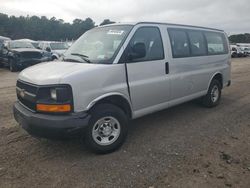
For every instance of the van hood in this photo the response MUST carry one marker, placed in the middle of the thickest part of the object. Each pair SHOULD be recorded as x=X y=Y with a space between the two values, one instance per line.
x=53 y=72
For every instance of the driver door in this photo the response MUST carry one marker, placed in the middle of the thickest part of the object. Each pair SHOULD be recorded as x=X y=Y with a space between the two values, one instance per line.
x=148 y=76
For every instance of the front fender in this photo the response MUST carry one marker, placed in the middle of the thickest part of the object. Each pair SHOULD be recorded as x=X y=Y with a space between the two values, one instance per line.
x=93 y=102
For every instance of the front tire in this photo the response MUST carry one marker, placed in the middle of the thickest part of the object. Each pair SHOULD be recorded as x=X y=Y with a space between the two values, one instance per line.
x=107 y=129
x=213 y=96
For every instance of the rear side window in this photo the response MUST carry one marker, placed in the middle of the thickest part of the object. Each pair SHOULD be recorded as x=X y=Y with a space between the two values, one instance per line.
x=197 y=43
x=179 y=43
x=216 y=43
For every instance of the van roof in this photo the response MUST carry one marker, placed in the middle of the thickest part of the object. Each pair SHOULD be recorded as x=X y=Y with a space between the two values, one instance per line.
x=170 y=24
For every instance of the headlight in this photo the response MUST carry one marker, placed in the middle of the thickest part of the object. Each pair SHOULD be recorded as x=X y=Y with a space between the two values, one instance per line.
x=53 y=94
x=56 y=99
x=61 y=94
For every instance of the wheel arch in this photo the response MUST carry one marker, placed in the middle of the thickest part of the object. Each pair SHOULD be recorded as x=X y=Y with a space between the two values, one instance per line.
x=218 y=76
x=117 y=99
x=55 y=56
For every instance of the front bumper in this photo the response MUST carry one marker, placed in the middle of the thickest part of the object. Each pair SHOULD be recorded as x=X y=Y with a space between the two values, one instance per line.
x=50 y=126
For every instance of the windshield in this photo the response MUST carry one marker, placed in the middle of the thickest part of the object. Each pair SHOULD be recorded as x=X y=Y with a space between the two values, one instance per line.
x=19 y=44
x=98 y=45
x=59 y=46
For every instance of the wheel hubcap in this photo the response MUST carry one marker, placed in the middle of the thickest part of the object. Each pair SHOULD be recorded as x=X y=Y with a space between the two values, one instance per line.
x=106 y=130
x=215 y=93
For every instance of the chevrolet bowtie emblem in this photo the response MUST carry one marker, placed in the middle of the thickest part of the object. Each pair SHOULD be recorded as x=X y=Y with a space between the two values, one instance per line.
x=22 y=93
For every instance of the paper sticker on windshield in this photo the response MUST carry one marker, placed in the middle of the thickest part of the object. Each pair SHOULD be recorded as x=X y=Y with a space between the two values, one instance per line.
x=115 y=32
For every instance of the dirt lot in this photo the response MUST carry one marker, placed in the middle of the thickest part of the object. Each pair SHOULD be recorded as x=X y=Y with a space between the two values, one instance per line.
x=185 y=146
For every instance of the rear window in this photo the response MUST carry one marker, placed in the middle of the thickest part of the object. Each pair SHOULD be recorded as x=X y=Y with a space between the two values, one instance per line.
x=216 y=43
x=191 y=43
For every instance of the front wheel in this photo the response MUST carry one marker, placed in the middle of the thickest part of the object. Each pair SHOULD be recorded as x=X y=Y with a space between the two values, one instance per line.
x=107 y=129
x=213 y=96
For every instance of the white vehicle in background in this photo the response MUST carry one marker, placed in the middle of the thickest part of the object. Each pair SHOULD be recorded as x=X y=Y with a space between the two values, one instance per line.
x=55 y=48
x=245 y=47
x=237 y=51
x=33 y=42
x=247 y=51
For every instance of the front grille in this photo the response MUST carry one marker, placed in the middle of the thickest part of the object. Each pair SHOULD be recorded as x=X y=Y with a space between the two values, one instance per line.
x=27 y=87
x=36 y=55
x=26 y=94
x=30 y=105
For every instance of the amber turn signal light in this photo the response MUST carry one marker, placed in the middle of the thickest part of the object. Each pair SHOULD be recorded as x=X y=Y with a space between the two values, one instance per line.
x=53 y=107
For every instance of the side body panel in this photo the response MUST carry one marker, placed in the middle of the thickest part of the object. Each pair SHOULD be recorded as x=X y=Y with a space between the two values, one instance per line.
x=191 y=76
x=151 y=89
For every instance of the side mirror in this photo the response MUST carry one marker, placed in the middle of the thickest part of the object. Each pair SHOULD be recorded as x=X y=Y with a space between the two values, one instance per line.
x=48 y=49
x=138 y=51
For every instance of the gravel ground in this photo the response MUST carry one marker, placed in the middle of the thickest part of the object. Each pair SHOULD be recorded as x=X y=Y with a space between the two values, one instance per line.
x=185 y=146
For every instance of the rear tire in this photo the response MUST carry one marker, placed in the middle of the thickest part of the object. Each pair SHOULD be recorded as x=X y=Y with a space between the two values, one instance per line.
x=107 y=129
x=12 y=65
x=213 y=96
x=234 y=55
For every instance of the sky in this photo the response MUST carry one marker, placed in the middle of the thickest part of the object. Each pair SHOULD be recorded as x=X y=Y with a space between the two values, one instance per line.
x=233 y=16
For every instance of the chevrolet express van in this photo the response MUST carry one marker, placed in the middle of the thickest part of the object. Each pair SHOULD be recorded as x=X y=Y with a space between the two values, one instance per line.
x=116 y=73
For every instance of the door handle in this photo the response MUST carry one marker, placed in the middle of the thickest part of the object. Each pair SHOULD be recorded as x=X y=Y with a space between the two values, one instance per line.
x=167 y=68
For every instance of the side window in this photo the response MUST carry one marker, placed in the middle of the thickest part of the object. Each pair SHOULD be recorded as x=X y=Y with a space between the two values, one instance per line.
x=197 y=43
x=151 y=37
x=179 y=43
x=216 y=43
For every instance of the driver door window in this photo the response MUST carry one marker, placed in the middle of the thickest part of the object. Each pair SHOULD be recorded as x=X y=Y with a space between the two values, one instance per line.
x=151 y=37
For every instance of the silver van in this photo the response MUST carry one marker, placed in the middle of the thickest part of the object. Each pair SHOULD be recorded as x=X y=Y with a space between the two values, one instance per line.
x=116 y=73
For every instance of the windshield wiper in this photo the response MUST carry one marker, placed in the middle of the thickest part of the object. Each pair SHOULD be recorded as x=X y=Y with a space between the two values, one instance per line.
x=84 y=57
x=72 y=60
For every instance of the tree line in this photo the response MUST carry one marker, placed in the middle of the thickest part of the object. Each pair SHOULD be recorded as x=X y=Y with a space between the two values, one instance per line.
x=43 y=28
x=240 y=38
